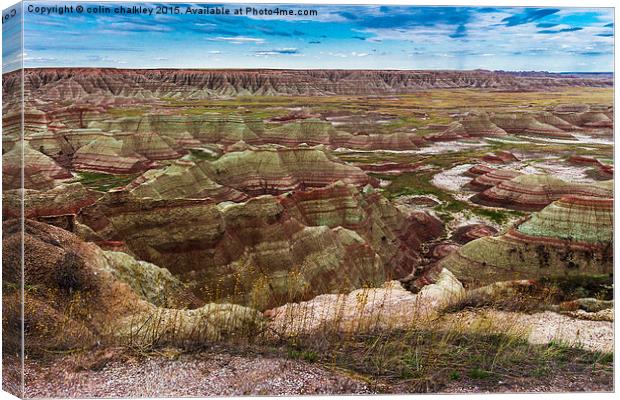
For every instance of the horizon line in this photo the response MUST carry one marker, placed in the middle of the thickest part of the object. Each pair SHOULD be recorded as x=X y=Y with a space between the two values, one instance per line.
x=310 y=69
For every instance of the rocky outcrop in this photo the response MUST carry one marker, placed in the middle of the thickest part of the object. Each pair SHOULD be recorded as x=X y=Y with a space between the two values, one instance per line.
x=554 y=124
x=64 y=199
x=152 y=283
x=389 y=307
x=39 y=170
x=183 y=131
x=83 y=296
x=500 y=157
x=526 y=123
x=552 y=119
x=600 y=170
x=604 y=172
x=572 y=236
x=315 y=132
x=583 y=115
x=478 y=169
x=467 y=233
x=480 y=125
x=269 y=250
x=534 y=192
x=395 y=235
x=183 y=179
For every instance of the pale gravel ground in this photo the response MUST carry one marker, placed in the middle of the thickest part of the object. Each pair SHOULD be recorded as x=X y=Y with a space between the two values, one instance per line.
x=580 y=139
x=202 y=374
x=222 y=374
x=555 y=383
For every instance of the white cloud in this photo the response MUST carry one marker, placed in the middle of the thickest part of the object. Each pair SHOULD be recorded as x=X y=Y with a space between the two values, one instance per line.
x=238 y=39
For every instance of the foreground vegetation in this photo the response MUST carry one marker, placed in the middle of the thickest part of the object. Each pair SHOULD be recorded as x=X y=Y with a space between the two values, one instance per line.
x=427 y=361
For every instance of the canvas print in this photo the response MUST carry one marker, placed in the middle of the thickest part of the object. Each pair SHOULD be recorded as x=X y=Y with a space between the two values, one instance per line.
x=291 y=199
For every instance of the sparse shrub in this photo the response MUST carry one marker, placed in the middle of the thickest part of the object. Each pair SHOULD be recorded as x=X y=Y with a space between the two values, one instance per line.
x=70 y=275
x=479 y=373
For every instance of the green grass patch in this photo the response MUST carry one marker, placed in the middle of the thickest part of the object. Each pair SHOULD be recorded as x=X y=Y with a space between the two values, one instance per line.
x=306 y=355
x=103 y=182
x=478 y=373
x=499 y=217
x=419 y=183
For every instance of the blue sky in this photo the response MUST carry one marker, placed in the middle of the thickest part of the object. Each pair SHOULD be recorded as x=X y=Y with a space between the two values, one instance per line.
x=360 y=37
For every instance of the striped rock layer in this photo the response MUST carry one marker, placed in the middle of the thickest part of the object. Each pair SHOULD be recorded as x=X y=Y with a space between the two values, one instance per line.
x=467 y=233
x=130 y=144
x=601 y=170
x=470 y=126
x=557 y=123
x=478 y=169
x=109 y=155
x=269 y=250
x=485 y=180
x=572 y=236
x=256 y=171
x=183 y=179
x=229 y=129
x=526 y=123
x=275 y=170
x=534 y=192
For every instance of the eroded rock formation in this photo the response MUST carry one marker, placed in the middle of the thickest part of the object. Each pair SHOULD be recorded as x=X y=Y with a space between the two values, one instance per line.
x=39 y=170
x=531 y=192
x=71 y=83
x=365 y=310
x=271 y=249
x=572 y=236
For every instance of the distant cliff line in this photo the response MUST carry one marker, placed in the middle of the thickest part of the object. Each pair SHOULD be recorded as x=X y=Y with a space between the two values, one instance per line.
x=68 y=83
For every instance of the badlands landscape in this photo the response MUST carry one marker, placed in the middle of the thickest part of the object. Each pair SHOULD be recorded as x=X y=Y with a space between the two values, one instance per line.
x=212 y=232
